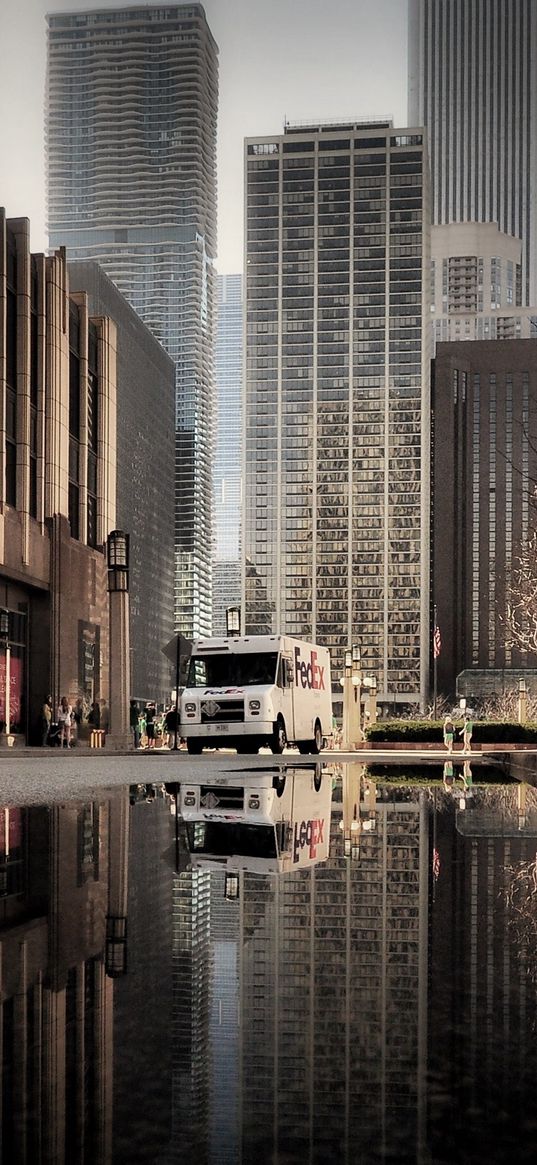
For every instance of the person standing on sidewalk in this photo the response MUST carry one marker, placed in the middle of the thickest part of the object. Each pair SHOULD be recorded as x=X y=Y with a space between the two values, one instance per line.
x=449 y=733
x=46 y=720
x=466 y=733
x=63 y=717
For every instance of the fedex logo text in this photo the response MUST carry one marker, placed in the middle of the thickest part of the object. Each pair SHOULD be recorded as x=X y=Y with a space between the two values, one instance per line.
x=310 y=834
x=309 y=675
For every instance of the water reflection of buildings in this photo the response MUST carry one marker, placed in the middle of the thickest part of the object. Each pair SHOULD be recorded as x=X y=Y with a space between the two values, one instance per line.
x=327 y=969
x=482 y=1001
x=62 y=875
x=333 y=985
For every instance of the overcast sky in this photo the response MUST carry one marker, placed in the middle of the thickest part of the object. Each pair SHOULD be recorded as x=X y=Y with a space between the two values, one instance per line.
x=279 y=59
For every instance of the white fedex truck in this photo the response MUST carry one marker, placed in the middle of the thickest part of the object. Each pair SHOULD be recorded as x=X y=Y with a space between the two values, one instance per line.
x=258 y=821
x=244 y=692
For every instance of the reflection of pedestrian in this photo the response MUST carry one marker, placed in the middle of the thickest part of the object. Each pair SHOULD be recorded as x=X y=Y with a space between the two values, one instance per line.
x=466 y=733
x=449 y=733
x=448 y=776
x=46 y=720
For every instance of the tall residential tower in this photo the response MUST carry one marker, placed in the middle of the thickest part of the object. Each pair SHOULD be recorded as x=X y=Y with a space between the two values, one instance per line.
x=131 y=139
x=473 y=84
x=227 y=464
x=336 y=466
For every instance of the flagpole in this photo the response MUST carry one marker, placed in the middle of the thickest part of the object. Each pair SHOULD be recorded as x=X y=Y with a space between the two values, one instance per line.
x=435 y=665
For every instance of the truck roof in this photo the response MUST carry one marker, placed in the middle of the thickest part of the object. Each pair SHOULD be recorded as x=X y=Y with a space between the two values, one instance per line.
x=242 y=643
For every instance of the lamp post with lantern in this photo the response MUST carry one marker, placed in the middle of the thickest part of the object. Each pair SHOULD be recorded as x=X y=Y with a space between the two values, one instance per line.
x=352 y=696
x=117 y=558
x=4 y=640
x=233 y=621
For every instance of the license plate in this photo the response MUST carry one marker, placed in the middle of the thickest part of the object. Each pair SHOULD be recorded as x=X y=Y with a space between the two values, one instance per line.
x=220 y=728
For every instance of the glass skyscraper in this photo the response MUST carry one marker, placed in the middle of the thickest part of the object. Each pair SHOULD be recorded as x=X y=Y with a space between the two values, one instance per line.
x=473 y=84
x=227 y=466
x=132 y=99
x=337 y=419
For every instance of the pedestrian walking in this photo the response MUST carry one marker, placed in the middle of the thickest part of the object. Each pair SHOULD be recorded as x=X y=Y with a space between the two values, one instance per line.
x=134 y=722
x=150 y=717
x=449 y=733
x=46 y=720
x=466 y=733
x=64 y=718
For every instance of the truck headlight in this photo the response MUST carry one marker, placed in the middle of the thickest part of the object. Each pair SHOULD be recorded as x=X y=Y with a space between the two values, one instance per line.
x=254 y=705
x=190 y=798
x=190 y=707
x=253 y=801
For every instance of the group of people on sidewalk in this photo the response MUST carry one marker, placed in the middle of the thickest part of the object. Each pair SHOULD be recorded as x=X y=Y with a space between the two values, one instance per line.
x=151 y=728
x=465 y=732
x=66 y=726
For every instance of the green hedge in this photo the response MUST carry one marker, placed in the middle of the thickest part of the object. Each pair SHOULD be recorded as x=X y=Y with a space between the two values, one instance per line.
x=485 y=731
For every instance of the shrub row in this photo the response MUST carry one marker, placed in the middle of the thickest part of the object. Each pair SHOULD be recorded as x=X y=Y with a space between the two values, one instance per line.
x=485 y=731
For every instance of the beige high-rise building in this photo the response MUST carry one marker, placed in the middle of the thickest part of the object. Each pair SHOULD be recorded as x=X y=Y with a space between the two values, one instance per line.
x=476 y=284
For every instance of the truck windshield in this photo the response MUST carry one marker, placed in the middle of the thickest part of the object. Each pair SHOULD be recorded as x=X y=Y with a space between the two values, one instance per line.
x=223 y=839
x=222 y=671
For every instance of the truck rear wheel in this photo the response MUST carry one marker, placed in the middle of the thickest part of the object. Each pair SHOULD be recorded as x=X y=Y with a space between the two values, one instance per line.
x=194 y=746
x=317 y=742
x=279 y=736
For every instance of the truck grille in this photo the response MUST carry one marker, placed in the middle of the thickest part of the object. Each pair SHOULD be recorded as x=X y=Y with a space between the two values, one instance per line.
x=223 y=711
x=221 y=797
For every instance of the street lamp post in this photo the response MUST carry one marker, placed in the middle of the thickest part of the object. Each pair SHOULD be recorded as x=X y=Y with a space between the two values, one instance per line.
x=4 y=639
x=352 y=697
x=117 y=555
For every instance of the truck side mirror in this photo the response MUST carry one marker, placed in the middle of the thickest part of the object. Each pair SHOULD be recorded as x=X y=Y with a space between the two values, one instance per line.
x=289 y=675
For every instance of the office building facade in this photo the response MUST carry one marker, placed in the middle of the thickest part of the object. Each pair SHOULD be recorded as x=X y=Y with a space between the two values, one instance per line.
x=336 y=425
x=227 y=487
x=484 y=401
x=473 y=85
x=145 y=466
x=131 y=145
x=58 y=486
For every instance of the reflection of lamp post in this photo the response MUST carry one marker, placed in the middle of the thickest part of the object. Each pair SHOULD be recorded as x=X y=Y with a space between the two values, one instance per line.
x=117 y=554
x=4 y=639
x=522 y=702
x=231 y=890
x=233 y=621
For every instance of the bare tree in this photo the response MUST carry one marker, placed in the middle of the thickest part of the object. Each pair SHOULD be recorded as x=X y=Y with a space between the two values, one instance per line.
x=521 y=601
x=520 y=891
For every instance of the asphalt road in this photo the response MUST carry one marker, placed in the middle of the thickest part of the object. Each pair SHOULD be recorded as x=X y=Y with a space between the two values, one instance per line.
x=37 y=776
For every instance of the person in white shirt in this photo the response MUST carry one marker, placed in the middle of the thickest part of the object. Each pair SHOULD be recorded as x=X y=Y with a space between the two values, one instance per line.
x=64 y=718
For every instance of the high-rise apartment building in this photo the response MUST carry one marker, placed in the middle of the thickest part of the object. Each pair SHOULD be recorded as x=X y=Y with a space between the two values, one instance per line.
x=336 y=425
x=227 y=465
x=473 y=84
x=476 y=285
x=131 y=143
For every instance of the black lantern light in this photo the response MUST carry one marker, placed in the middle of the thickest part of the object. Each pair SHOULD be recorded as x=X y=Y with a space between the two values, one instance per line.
x=233 y=620
x=117 y=556
x=4 y=625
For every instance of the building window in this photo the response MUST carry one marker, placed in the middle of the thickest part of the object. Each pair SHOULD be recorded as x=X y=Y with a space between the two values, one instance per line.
x=93 y=433
x=74 y=420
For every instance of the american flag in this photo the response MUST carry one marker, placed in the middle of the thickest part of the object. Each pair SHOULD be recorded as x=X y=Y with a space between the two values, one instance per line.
x=437 y=641
x=436 y=864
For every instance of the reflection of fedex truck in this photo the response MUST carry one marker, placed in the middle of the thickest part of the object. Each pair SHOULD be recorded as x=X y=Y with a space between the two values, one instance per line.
x=258 y=821
x=245 y=692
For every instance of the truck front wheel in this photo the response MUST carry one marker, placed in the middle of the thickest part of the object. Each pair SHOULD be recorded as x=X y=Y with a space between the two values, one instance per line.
x=279 y=736
x=194 y=746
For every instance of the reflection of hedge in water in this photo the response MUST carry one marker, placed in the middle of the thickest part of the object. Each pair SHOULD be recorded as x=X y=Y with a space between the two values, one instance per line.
x=428 y=774
x=431 y=731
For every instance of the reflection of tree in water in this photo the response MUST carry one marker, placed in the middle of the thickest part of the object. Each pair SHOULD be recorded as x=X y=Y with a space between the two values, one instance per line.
x=520 y=891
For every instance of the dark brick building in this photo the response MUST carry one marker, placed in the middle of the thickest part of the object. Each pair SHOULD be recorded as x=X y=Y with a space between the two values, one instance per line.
x=484 y=416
